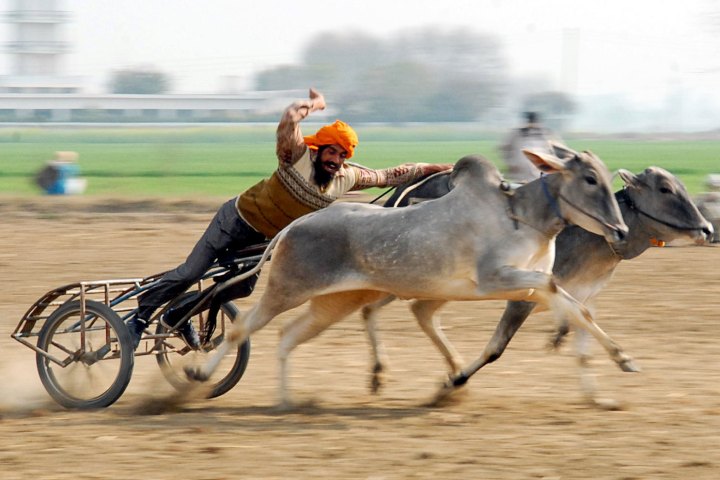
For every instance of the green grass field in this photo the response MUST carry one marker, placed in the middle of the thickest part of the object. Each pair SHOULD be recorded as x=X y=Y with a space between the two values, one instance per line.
x=223 y=161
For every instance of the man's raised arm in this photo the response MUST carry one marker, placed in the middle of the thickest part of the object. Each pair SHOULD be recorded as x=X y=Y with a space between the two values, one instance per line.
x=290 y=146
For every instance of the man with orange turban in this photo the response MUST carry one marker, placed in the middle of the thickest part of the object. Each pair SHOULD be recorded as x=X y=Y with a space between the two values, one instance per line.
x=311 y=174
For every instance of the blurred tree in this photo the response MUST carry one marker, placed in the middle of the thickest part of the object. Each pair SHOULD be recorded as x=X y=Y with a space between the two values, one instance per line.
x=283 y=77
x=339 y=60
x=397 y=92
x=419 y=75
x=139 y=81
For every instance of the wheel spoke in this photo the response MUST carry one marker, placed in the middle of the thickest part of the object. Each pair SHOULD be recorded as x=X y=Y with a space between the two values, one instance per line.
x=88 y=377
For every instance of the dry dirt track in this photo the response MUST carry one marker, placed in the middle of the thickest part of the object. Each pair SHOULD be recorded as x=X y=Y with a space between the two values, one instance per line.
x=522 y=418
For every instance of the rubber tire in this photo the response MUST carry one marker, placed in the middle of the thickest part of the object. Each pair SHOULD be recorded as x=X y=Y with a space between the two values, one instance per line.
x=127 y=356
x=242 y=358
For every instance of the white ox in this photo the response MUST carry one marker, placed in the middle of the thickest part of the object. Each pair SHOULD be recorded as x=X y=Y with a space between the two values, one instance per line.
x=475 y=243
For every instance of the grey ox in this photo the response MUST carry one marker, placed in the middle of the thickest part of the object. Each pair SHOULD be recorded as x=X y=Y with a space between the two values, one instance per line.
x=655 y=206
x=492 y=246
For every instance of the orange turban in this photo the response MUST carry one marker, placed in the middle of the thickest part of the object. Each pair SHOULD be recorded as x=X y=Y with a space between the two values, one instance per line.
x=339 y=133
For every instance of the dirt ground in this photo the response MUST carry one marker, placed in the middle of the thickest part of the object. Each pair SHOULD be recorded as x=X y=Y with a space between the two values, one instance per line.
x=521 y=418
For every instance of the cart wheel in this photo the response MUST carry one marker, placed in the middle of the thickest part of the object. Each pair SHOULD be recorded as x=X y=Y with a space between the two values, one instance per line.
x=90 y=375
x=174 y=354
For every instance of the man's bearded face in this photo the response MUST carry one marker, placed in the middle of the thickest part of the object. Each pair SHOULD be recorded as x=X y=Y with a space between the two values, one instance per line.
x=329 y=161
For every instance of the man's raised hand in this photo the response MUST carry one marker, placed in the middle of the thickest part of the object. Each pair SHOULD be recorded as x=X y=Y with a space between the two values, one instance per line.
x=318 y=100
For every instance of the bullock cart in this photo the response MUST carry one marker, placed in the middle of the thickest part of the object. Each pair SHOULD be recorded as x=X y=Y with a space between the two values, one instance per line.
x=84 y=352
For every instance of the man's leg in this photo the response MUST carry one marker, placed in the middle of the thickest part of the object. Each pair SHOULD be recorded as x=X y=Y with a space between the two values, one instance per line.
x=218 y=235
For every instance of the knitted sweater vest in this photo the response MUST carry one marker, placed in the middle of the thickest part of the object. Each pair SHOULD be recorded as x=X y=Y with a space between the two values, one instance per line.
x=273 y=203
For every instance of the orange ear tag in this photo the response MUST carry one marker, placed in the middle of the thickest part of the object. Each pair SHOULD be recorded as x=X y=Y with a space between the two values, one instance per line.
x=657 y=243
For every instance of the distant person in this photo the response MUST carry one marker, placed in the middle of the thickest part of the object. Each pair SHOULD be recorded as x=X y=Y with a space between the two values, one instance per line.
x=532 y=135
x=311 y=175
x=61 y=175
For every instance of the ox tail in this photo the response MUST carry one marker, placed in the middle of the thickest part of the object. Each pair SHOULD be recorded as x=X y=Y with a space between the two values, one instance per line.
x=264 y=258
x=417 y=185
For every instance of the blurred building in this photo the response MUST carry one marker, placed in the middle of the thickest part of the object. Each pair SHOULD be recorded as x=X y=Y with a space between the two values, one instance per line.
x=78 y=107
x=37 y=49
x=37 y=90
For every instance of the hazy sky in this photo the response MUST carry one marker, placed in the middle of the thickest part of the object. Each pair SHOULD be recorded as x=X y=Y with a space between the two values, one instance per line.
x=642 y=47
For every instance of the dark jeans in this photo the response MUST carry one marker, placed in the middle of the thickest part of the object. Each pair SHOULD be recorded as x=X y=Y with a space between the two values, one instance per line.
x=227 y=230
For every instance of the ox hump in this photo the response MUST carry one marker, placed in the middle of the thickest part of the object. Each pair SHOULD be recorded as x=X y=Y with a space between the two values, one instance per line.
x=476 y=174
x=476 y=170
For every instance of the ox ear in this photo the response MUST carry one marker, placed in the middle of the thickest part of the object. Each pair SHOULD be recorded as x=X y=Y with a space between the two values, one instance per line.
x=630 y=179
x=561 y=151
x=544 y=161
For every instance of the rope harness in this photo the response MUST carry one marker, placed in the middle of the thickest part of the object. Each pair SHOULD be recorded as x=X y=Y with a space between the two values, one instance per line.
x=507 y=189
x=411 y=187
x=419 y=184
x=382 y=194
x=553 y=203
x=624 y=196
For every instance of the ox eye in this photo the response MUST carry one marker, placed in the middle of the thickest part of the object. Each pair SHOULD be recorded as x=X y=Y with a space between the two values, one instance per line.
x=591 y=180
x=665 y=190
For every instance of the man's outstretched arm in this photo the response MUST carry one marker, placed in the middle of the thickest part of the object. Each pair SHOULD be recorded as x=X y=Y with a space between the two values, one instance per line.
x=391 y=177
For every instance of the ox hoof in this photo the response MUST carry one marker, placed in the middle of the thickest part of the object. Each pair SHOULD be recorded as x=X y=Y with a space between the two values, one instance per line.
x=195 y=374
x=555 y=342
x=377 y=380
x=375 y=384
x=448 y=394
x=628 y=365
x=607 y=404
x=557 y=339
